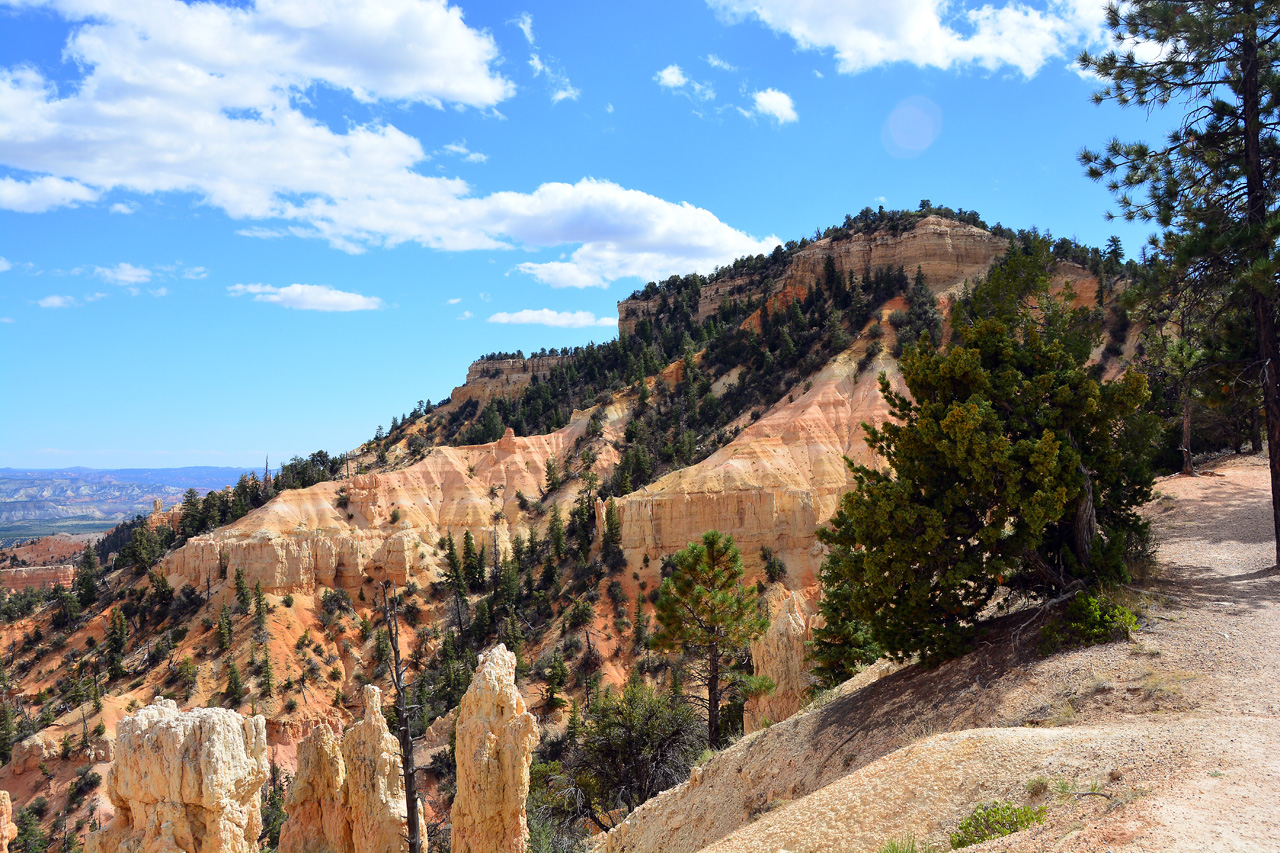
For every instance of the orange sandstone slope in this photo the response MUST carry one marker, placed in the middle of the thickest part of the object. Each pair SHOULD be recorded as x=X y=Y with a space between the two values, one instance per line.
x=773 y=485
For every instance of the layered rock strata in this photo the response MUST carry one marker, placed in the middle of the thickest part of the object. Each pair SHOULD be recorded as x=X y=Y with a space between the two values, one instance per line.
x=186 y=782
x=495 y=740
x=348 y=797
x=780 y=654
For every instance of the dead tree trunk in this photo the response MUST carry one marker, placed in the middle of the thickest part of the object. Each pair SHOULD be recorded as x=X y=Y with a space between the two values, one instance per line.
x=390 y=612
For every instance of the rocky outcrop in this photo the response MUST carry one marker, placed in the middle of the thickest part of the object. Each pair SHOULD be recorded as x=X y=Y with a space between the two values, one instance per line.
x=185 y=782
x=30 y=752
x=318 y=821
x=495 y=741
x=780 y=654
x=348 y=798
x=8 y=831
x=502 y=377
x=302 y=539
x=946 y=251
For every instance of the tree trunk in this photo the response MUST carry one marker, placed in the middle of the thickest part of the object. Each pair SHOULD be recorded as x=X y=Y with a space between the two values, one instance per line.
x=1188 y=464
x=1263 y=304
x=403 y=731
x=713 y=698
x=1255 y=431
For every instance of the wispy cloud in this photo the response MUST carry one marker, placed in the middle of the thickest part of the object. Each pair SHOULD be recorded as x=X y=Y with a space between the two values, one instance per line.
x=55 y=301
x=195 y=272
x=716 y=62
x=525 y=23
x=308 y=297
x=547 y=317
x=124 y=274
x=6 y=320
x=5 y=266
x=94 y=297
x=121 y=207
x=461 y=150
x=674 y=78
x=454 y=301
x=465 y=315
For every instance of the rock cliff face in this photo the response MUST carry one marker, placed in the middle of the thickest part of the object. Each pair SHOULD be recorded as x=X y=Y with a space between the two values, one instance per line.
x=772 y=485
x=496 y=737
x=501 y=377
x=30 y=752
x=780 y=654
x=303 y=538
x=8 y=831
x=37 y=577
x=185 y=782
x=348 y=798
x=948 y=252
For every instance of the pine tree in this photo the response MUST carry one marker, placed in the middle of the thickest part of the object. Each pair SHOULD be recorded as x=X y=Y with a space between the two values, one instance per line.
x=224 y=629
x=235 y=689
x=611 y=542
x=266 y=679
x=1007 y=465
x=242 y=591
x=704 y=610
x=259 y=613
x=457 y=581
x=555 y=533
x=1216 y=181
x=553 y=479
x=86 y=580
x=472 y=563
x=117 y=637
x=7 y=730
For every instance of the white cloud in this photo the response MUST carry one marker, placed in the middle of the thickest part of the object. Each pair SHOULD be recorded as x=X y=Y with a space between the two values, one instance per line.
x=94 y=297
x=121 y=207
x=203 y=99
x=560 y=319
x=561 y=88
x=158 y=292
x=777 y=105
x=937 y=33
x=55 y=301
x=608 y=108
x=460 y=149
x=6 y=320
x=454 y=301
x=465 y=315
x=38 y=194
x=308 y=297
x=5 y=266
x=195 y=273
x=716 y=62
x=525 y=23
x=124 y=274
x=673 y=77
x=484 y=297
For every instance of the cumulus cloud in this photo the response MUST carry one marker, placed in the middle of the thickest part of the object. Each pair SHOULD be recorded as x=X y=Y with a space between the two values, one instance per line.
x=55 y=301
x=308 y=297
x=937 y=33
x=672 y=77
x=777 y=105
x=121 y=207
x=202 y=99
x=465 y=315
x=547 y=317
x=124 y=274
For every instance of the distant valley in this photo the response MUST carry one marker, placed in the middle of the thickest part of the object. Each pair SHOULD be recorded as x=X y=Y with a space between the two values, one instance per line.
x=40 y=502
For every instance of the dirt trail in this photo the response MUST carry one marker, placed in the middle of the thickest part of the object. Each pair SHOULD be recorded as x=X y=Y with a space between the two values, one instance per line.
x=1179 y=729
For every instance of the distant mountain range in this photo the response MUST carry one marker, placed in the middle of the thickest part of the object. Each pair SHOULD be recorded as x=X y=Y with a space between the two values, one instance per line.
x=40 y=502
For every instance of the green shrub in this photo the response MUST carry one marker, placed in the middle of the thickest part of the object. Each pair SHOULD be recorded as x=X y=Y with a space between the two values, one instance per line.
x=287 y=601
x=994 y=820
x=906 y=844
x=1087 y=621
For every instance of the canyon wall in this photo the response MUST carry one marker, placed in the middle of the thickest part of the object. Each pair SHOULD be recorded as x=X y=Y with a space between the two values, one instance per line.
x=502 y=377
x=36 y=577
x=780 y=654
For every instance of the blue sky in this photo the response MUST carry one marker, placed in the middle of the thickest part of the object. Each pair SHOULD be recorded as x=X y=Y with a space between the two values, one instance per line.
x=233 y=230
